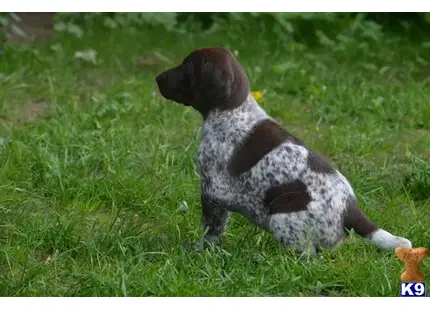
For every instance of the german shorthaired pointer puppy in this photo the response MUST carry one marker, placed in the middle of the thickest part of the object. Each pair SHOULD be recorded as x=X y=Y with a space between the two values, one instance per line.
x=249 y=164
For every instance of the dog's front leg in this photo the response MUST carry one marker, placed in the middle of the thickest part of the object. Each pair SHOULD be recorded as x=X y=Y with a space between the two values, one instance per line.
x=214 y=221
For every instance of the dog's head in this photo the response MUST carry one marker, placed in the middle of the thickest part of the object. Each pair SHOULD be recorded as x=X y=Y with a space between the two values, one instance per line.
x=207 y=79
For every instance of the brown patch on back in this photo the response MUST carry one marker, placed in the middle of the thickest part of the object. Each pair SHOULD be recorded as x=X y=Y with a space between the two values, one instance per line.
x=318 y=163
x=287 y=198
x=355 y=219
x=264 y=138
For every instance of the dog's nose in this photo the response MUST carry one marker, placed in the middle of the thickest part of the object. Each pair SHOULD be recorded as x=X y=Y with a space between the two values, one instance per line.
x=160 y=77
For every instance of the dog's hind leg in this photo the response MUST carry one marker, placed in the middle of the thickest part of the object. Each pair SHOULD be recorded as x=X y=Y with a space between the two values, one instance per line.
x=292 y=232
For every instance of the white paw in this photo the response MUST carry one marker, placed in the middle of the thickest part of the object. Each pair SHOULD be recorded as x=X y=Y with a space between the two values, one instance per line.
x=404 y=243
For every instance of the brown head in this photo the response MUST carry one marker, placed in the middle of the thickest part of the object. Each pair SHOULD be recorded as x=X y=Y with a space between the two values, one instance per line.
x=207 y=79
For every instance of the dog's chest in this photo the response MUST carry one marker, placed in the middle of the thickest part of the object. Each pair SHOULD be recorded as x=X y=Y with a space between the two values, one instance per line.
x=215 y=149
x=220 y=138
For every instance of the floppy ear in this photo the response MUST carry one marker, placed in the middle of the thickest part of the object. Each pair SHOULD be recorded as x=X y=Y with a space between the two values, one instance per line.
x=216 y=82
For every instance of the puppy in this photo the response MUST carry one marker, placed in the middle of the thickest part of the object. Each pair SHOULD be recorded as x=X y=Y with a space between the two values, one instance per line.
x=249 y=164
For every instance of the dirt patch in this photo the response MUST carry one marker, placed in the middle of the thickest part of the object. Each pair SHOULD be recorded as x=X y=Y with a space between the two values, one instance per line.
x=36 y=26
x=414 y=139
x=28 y=112
x=154 y=60
x=31 y=111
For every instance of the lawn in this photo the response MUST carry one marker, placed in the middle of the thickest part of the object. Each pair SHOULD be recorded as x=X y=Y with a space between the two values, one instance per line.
x=99 y=188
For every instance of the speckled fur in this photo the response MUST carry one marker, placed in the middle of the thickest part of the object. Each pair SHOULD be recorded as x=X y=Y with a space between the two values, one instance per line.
x=319 y=226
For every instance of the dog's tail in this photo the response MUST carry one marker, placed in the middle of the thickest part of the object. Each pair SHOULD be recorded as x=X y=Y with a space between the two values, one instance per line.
x=355 y=219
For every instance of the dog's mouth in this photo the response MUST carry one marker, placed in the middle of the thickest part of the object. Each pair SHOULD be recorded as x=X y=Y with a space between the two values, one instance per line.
x=170 y=87
x=163 y=87
x=171 y=94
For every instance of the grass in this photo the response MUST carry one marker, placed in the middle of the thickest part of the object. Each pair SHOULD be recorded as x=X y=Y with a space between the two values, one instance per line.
x=99 y=190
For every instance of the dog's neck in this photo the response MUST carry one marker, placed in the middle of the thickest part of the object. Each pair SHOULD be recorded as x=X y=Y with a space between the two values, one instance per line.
x=249 y=108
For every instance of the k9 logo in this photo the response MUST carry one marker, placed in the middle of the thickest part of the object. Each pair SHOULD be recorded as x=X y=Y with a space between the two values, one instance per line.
x=413 y=289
